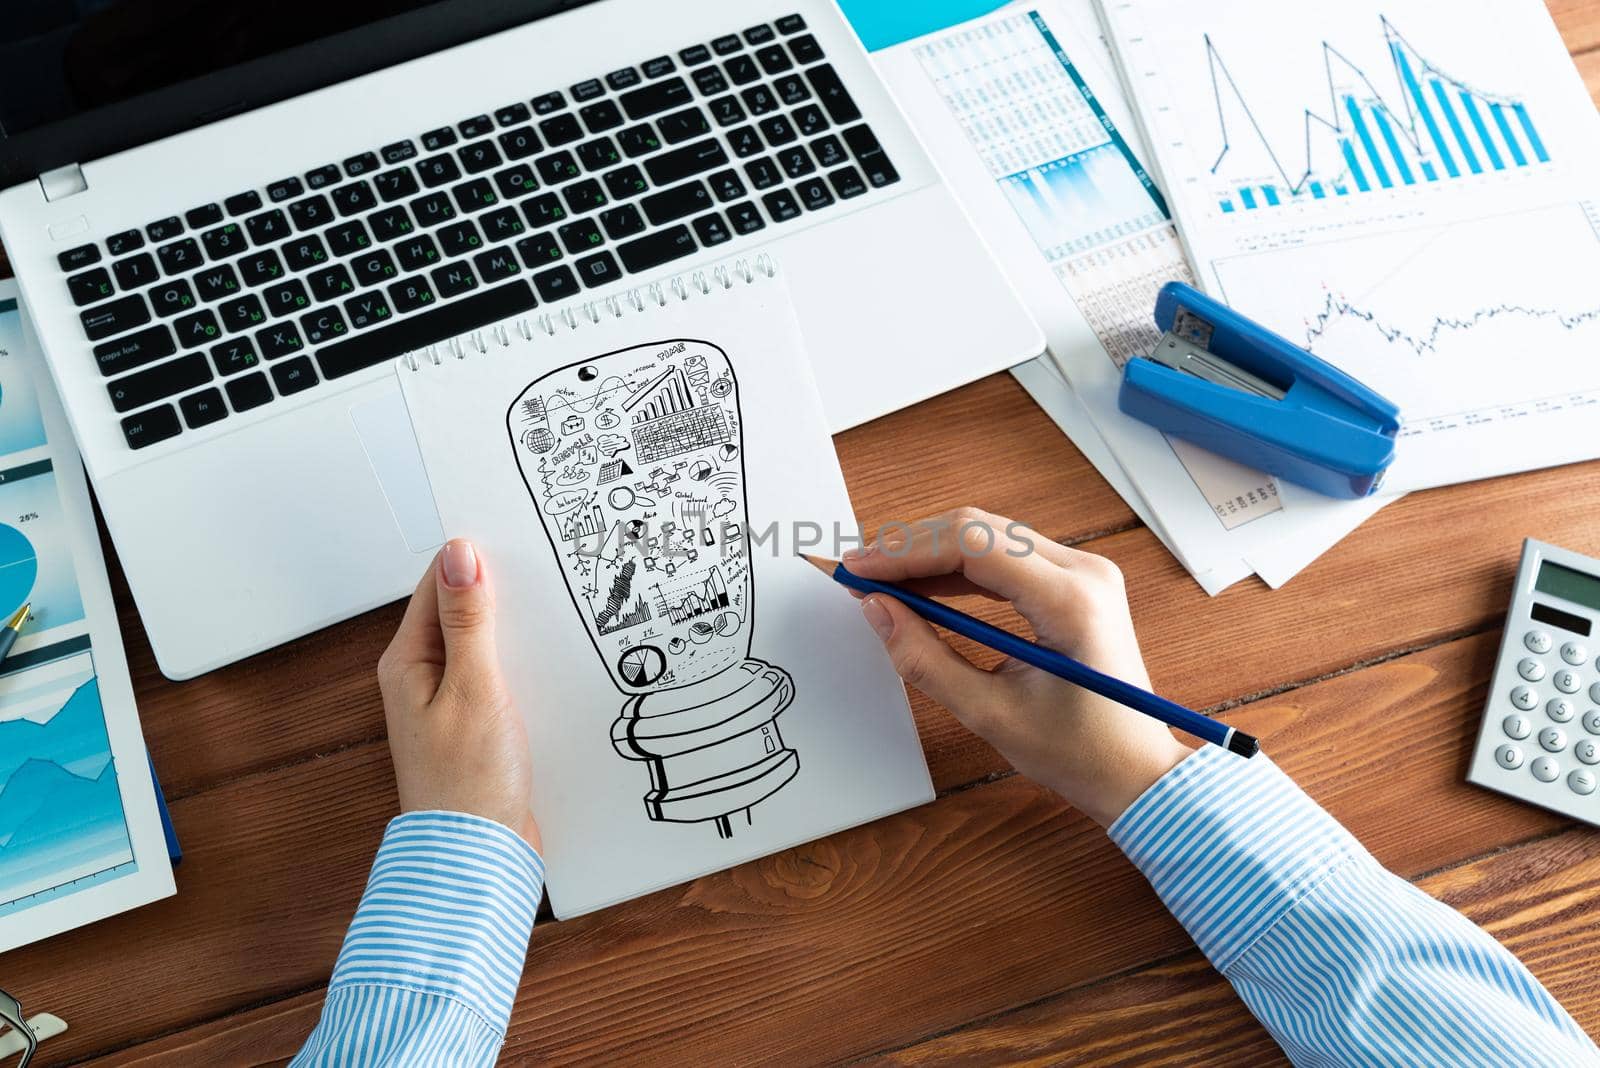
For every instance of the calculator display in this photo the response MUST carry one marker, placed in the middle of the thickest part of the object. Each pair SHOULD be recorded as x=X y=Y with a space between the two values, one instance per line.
x=1567 y=583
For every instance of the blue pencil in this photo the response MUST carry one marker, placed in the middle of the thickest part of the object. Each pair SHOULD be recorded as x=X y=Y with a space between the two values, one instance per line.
x=1064 y=667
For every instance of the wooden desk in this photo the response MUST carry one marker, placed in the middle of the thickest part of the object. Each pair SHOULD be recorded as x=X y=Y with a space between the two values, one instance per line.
x=991 y=925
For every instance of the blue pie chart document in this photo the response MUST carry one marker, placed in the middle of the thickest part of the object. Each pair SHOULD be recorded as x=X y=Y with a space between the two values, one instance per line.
x=19 y=567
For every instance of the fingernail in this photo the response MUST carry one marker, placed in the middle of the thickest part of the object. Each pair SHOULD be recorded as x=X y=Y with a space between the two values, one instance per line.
x=857 y=554
x=460 y=564
x=878 y=617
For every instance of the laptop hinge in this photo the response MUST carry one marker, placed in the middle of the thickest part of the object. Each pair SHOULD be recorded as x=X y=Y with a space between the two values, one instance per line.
x=63 y=182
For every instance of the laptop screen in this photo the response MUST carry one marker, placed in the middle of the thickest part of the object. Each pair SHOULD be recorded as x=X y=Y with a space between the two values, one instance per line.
x=80 y=79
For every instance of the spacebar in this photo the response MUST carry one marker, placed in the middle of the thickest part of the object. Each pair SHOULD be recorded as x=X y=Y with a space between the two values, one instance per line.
x=420 y=331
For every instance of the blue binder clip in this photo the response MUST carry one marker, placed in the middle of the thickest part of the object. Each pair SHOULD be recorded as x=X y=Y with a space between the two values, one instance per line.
x=1233 y=387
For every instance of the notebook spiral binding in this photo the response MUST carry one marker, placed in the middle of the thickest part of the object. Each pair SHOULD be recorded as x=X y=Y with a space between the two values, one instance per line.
x=573 y=315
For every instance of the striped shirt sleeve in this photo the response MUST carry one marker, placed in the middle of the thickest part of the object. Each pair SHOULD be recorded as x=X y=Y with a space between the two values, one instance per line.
x=431 y=964
x=1343 y=962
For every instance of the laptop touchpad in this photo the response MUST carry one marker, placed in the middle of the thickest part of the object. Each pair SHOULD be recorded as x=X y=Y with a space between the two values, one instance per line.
x=385 y=431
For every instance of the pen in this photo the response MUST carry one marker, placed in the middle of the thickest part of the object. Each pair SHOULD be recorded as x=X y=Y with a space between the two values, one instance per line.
x=1057 y=664
x=8 y=633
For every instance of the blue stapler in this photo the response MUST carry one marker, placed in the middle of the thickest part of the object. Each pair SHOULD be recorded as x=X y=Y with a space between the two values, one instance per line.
x=1233 y=387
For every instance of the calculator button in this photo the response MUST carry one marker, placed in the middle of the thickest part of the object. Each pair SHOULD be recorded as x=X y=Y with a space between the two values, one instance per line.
x=1524 y=698
x=1559 y=709
x=1508 y=757
x=1594 y=693
x=1568 y=681
x=1516 y=727
x=1537 y=641
x=1545 y=769
x=1587 y=752
x=1581 y=781
x=1591 y=721
x=1553 y=739
x=1573 y=653
x=1531 y=669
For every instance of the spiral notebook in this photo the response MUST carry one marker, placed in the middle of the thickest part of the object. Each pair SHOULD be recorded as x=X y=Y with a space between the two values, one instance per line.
x=638 y=473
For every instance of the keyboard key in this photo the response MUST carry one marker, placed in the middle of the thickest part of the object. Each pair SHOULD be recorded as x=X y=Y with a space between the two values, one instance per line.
x=323 y=326
x=809 y=120
x=459 y=239
x=147 y=428
x=203 y=216
x=91 y=287
x=331 y=283
x=724 y=45
x=242 y=314
x=745 y=218
x=348 y=238
x=781 y=205
x=479 y=156
x=624 y=221
x=712 y=230
x=454 y=279
x=433 y=209
x=225 y=242
x=502 y=225
x=588 y=90
x=304 y=253
x=164 y=229
x=814 y=194
x=847 y=182
x=279 y=341
x=759 y=100
x=682 y=125
x=416 y=254
x=764 y=173
x=438 y=170
x=834 y=96
x=625 y=182
x=684 y=162
x=581 y=236
x=203 y=408
x=287 y=298
x=538 y=250
x=216 y=282
x=117 y=317
x=172 y=298
x=598 y=270
x=558 y=283
x=354 y=198
x=489 y=305
x=248 y=391
x=829 y=151
x=368 y=309
x=639 y=140
x=390 y=223
x=434 y=140
x=758 y=34
x=513 y=114
x=658 y=67
x=561 y=129
x=791 y=24
x=477 y=126
x=805 y=49
x=601 y=116
x=476 y=195
x=396 y=184
x=374 y=268
x=311 y=213
x=294 y=375
x=675 y=203
x=243 y=203
x=497 y=264
x=598 y=154
x=269 y=227
x=515 y=182
x=778 y=130
x=195 y=330
x=726 y=185
x=322 y=177
x=796 y=162
x=278 y=192
x=622 y=79
x=180 y=256
x=365 y=163
x=520 y=143
x=694 y=54
x=135 y=350
x=774 y=59
x=557 y=167
x=791 y=89
x=548 y=103
x=136 y=271
x=869 y=153
x=585 y=195
x=261 y=267
x=655 y=249
x=742 y=70
x=709 y=81
x=234 y=355
x=75 y=259
x=408 y=294
x=143 y=388
x=655 y=98
x=745 y=142
x=125 y=242
x=726 y=110
x=399 y=152
x=543 y=211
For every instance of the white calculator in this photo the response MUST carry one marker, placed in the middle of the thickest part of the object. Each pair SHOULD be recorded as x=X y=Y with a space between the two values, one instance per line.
x=1540 y=739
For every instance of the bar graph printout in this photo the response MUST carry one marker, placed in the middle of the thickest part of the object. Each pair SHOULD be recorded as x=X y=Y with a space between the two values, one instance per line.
x=1407 y=189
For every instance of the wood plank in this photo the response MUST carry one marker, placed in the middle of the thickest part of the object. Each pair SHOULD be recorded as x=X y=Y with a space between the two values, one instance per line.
x=988 y=899
x=1579 y=23
x=1534 y=898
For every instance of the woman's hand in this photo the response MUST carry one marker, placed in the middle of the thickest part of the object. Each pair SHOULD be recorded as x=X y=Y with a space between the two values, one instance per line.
x=458 y=744
x=1092 y=751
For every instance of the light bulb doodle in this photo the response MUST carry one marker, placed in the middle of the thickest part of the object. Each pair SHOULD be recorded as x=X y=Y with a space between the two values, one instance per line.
x=654 y=557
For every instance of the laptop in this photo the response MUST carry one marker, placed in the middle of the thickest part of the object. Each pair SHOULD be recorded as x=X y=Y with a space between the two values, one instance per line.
x=227 y=220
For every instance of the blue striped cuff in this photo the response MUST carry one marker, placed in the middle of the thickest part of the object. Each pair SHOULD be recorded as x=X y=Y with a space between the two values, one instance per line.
x=1230 y=845
x=448 y=910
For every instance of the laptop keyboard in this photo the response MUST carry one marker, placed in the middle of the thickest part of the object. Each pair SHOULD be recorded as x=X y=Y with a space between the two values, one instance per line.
x=234 y=305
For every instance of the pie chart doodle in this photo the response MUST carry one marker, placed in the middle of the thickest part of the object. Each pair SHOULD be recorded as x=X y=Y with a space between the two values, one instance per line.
x=19 y=567
x=642 y=665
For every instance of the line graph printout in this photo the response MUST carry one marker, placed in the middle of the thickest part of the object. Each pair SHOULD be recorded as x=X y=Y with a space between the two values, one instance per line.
x=1406 y=188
